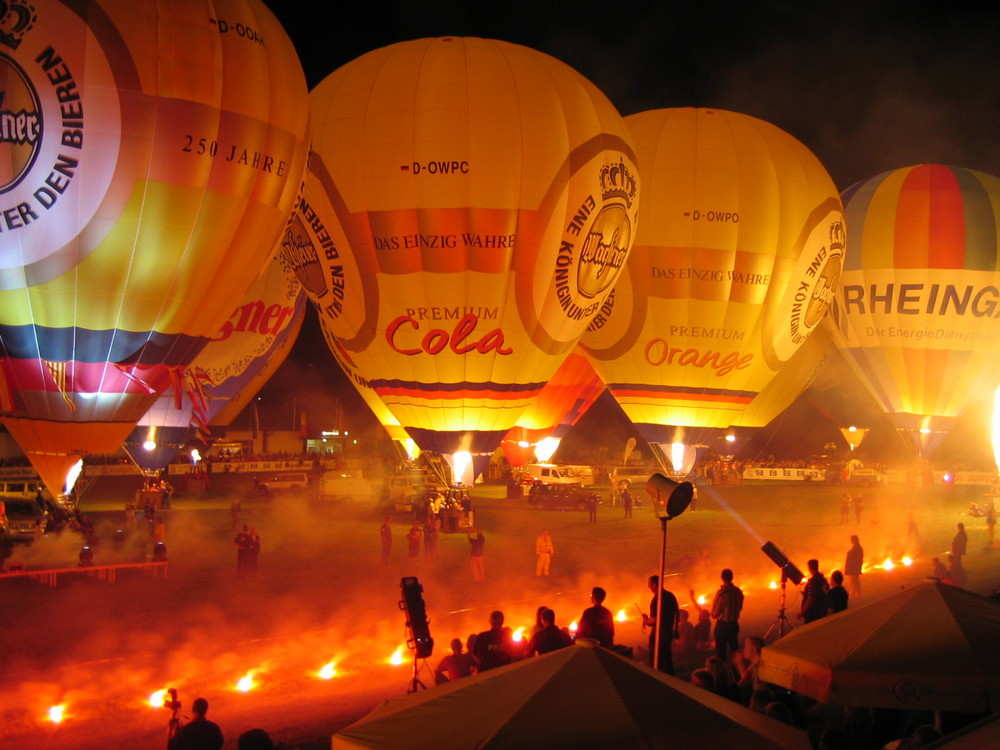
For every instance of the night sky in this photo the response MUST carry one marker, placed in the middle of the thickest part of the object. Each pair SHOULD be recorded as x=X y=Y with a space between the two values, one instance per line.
x=867 y=86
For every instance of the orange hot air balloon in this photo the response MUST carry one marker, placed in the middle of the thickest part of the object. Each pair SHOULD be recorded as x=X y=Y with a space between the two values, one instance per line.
x=161 y=152
x=737 y=253
x=469 y=205
x=247 y=349
x=918 y=315
x=565 y=398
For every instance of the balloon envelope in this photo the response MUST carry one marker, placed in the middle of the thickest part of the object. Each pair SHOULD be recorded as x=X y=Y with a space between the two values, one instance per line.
x=229 y=371
x=469 y=205
x=736 y=255
x=917 y=315
x=565 y=398
x=163 y=148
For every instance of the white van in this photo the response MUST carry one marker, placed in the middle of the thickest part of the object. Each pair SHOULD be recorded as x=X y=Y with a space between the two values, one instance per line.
x=553 y=474
x=288 y=481
x=404 y=489
x=347 y=484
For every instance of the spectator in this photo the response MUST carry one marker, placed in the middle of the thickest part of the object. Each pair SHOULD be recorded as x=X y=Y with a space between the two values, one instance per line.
x=836 y=597
x=726 y=608
x=549 y=638
x=455 y=665
x=494 y=647
x=853 y=564
x=597 y=622
x=199 y=733
x=814 y=594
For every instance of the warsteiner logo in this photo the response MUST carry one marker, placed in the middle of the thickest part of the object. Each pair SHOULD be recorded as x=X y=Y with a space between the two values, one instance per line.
x=20 y=123
x=607 y=231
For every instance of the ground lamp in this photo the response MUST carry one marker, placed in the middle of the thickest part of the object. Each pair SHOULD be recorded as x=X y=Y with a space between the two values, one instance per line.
x=788 y=572
x=670 y=499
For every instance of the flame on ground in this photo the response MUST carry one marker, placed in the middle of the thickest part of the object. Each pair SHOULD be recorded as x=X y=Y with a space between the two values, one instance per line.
x=397 y=657
x=246 y=683
x=157 y=699
x=573 y=626
x=621 y=616
x=57 y=713
x=518 y=635
x=328 y=671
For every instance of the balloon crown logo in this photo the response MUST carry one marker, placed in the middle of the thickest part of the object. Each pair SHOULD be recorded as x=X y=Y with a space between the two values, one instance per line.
x=16 y=19
x=617 y=182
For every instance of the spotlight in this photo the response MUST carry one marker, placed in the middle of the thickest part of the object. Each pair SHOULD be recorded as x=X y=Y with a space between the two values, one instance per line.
x=416 y=617
x=788 y=569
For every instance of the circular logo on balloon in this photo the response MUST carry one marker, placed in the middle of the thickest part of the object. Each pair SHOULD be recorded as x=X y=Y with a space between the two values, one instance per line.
x=812 y=285
x=60 y=137
x=20 y=124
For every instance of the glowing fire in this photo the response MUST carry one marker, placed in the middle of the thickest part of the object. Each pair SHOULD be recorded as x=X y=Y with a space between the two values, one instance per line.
x=702 y=599
x=573 y=626
x=773 y=584
x=907 y=561
x=57 y=713
x=328 y=671
x=621 y=616
x=888 y=564
x=157 y=699
x=397 y=657
x=518 y=635
x=246 y=683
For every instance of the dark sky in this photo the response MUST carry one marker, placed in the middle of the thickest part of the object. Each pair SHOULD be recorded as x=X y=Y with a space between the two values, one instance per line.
x=868 y=86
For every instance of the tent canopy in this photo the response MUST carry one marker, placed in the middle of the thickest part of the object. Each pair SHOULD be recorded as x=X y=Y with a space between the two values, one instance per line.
x=930 y=647
x=582 y=696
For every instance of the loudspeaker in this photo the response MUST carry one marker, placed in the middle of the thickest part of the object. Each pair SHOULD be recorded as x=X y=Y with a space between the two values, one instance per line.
x=675 y=496
x=416 y=617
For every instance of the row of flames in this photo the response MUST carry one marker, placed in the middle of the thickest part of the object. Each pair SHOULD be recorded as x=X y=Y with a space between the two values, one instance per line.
x=249 y=681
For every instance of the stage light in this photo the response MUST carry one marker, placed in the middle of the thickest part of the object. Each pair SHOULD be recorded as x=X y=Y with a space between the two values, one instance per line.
x=788 y=569
x=416 y=618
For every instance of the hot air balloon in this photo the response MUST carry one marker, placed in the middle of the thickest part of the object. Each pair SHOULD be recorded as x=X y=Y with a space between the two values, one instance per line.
x=246 y=350
x=469 y=205
x=158 y=151
x=565 y=398
x=736 y=256
x=917 y=316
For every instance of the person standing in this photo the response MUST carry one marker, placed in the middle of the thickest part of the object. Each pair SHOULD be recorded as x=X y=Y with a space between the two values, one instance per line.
x=666 y=624
x=960 y=542
x=592 y=502
x=726 y=608
x=242 y=542
x=544 y=549
x=477 y=553
x=836 y=597
x=431 y=536
x=845 y=507
x=991 y=518
x=858 y=507
x=627 y=502
x=597 y=622
x=413 y=539
x=236 y=511
x=253 y=553
x=385 y=533
x=853 y=564
x=199 y=733
x=814 y=594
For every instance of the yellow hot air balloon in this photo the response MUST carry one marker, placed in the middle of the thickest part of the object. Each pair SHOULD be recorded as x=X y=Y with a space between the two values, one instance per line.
x=919 y=312
x=158 y=151
x=736 y=257
x=469 y=205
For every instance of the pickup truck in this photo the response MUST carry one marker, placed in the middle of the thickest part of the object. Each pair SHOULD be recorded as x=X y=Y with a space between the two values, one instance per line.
x=347 y=484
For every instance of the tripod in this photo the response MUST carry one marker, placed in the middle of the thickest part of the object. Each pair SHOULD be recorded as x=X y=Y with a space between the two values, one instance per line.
x=781 y=622
x=174 y=724
x=415 y=683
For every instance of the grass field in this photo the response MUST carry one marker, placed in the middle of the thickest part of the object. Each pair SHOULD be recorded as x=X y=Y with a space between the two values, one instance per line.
x=321 y=594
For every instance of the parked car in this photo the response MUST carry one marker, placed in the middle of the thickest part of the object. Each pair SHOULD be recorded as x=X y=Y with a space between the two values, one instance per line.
x=291 y=481
x=20 y=518
x=553 y=474
x=404 y=490
x=561 y=497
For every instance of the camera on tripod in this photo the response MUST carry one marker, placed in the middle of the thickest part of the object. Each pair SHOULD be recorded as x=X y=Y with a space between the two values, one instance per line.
x=171 y=701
